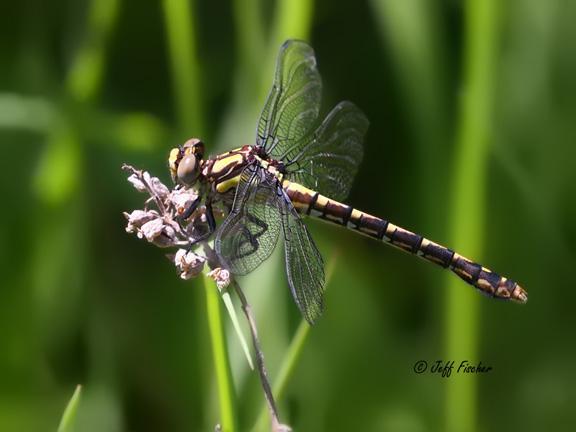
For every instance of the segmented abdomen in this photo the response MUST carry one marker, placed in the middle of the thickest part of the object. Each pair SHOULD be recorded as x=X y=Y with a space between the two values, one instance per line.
x=314 y=204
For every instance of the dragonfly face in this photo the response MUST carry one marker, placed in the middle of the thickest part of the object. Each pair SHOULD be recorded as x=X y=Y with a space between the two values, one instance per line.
x=185 y=162
x=300 y=166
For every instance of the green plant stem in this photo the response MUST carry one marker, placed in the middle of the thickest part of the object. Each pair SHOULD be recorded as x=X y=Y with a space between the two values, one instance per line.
x=415 y=34
x=292 y=20
x=249 y=42
x=220 y=353
x=185 y=68
x=289 y=364
x=261 y=365
x=292 y=357
x=468 y=204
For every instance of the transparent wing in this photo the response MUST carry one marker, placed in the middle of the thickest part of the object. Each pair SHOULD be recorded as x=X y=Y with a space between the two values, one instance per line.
x=304 y=264
x=249 y=234
x=291 y=110
x=328 y=161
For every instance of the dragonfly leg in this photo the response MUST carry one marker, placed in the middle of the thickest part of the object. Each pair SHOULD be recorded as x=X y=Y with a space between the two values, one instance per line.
x=210 y=218
x=188 y=212
x=211 y=224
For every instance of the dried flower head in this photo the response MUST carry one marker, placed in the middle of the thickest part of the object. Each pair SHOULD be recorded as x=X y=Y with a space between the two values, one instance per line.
x=188 y=263
x=221 y=277
x=163 y=225
x=170 y=218
x=182 y=199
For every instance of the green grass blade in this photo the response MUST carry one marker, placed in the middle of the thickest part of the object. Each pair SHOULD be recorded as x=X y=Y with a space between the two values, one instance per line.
x=69 y=415
x=236 y=325
x=220 y=353
x=468 y=204
x=249 y=40
x=185 y=68
x=293 y=20
x=413 y=31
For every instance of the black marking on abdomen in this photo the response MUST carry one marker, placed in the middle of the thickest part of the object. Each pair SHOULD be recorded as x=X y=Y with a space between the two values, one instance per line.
x=466 y=269
x=382 y=230
x=486 y=281
x=406 y=240
x=336 y=212
x=491 y=277
x=372 y=226
x=347 y=215
x=437 y=254
x=312 y=203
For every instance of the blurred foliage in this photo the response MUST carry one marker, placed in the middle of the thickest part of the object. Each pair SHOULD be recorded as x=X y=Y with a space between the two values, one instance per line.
x=86 y=85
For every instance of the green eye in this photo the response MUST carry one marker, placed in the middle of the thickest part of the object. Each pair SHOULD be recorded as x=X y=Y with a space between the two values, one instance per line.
x=188 y=169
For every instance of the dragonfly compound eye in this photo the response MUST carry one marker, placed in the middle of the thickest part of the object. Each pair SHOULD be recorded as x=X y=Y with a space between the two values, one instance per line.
x=184 y=161
x=188 y=169
x=194 y=145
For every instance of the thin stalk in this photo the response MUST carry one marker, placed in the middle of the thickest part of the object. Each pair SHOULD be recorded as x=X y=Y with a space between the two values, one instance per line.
x=290 y=360
x=259 y=357
x=185 y=68
x=292 y=356
x=220 y=352
x=469 y=203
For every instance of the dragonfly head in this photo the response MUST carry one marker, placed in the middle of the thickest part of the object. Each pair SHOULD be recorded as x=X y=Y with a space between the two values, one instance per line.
x=185 y=162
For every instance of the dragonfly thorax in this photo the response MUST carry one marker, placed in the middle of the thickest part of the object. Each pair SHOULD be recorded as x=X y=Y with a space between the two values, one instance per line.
x=260 y=152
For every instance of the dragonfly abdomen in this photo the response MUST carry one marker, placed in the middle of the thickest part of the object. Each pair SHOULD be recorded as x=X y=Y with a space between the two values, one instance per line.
x=314 y=204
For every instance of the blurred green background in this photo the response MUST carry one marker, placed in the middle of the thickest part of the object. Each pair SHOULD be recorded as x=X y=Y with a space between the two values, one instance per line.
x=472 y=143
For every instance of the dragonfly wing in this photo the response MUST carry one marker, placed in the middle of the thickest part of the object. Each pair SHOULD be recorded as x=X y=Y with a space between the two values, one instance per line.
x=304 y=264
x=249 y=234
x=329 y=160
x=291 y=109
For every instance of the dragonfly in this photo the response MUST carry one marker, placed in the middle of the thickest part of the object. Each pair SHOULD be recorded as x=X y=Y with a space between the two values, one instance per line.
x=300 y=166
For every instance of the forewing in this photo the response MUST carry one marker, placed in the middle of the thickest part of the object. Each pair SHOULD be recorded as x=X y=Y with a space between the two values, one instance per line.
x=292 y=106
x=304 y=264
x=329 y=160
x=249 y=234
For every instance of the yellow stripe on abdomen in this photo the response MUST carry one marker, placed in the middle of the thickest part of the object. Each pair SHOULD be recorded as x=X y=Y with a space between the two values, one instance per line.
x=312 y=203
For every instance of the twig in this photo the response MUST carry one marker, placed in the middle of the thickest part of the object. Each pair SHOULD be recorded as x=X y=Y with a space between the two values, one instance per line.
x=276 y=425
